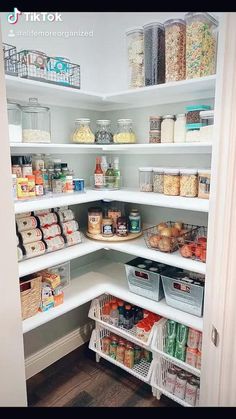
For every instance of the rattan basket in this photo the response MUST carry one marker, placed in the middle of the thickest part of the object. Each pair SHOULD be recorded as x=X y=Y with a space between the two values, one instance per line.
x=30 y=294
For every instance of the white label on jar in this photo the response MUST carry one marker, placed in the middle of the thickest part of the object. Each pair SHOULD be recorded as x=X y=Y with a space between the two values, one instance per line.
x=34 y=249
x=55 y=243
x=51 y=231
x=39 y=190
x=26 y=223
x=73 y=238
x=180 y=386
x=190 y=394
x=69 y=226
x=98 y=180
x=66 y=215
x=30 y=236
x=94 y=224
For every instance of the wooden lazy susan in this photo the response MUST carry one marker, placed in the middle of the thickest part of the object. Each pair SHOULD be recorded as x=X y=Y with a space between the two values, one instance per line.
x=114 y=238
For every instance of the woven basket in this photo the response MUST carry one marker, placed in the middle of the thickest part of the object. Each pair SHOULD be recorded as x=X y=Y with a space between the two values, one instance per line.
x=30 y=293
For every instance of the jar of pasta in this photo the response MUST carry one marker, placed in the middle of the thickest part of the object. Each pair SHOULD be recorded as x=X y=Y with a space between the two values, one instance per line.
x=158 y=179
x=171 y=182
x=167 y=129
x=188 y=182
x=82 y=133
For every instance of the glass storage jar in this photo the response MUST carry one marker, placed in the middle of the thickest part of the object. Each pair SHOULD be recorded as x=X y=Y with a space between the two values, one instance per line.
x=154 y=53
x=36 y=122
x=175 y=43
x=206 y=130
x=171 y=182
x=95 y=220
x=103 y=134
x=167 y=129
x=135 y=48
x=14 y=122
x=155 y=123
x=180 y=128
x=82 y=133
x=125 y=133
x=158 y=179
x=204 y=183
x=188 y=182
x=145 y=179
x=201 y=44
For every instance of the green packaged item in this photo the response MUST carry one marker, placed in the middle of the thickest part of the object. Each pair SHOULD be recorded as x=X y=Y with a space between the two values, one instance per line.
x=170 y=346
x=171 y=326
x=137 y=354
x=182 y=334
x=180 y=351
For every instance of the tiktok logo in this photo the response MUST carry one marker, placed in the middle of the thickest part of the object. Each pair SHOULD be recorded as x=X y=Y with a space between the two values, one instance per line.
x=13 y=17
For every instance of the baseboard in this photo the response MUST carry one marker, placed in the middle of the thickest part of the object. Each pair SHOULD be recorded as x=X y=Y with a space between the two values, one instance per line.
x=59 y=348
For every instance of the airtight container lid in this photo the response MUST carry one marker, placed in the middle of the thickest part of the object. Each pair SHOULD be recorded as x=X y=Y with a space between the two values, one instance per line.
x=172 y=21
x=207 y=114
x=204 y=15
x=153 y=24
x=188 y=171
x=190 y=127
x=158 y=169
x=145 y=169
x=168 y=116
x=204 y=171
x=172 y=171
x=197 y=108
x=129 y=31
x=124 y=121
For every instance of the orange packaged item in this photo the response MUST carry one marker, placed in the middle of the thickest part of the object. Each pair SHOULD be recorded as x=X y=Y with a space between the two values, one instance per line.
x=120 y=352
x=129 y=355
x=58 y=299
x=106 y=341
x=145 y=313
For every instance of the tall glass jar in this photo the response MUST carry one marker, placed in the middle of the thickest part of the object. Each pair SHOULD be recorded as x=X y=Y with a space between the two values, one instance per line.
x=180 y=128
x=154 y=53
x=82 y=132
x=167 y=129
x=201 y=44
x=175 y=44
x=103 y=134
x=125 y=133
x=135 y=47
x=14 y=122
x=36 y=122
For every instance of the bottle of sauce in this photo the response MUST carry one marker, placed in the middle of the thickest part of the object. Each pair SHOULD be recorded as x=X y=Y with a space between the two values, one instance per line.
x=128 y=321
x=117 y=182
x=109 y=179
x=98 y=174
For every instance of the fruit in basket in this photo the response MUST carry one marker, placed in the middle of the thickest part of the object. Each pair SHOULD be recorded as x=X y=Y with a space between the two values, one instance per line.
x=154 y=240
x=161 y=226
x=165 y=244
x=178 y=225
x=175 y=232
x=203 y=255
x=202 y=241
x=166 y=232
x=186 y=251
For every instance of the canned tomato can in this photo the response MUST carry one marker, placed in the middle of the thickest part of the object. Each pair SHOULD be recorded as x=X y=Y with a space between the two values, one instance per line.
x=180 y=385
x=193 y=338
x=170 y=380
x=78 y=185
x=191 y=391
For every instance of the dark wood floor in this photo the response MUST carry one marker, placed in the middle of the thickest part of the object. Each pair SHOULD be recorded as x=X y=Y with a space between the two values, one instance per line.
x=77 y=380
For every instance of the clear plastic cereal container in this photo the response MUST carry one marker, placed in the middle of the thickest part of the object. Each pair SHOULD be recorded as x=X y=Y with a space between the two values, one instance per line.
x=135 y=49
x=145 y=179
x=175 y=43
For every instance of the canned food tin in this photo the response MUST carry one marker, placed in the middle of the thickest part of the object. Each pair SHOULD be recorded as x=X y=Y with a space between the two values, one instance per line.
x=34 y=249
x=47 y=219
x=30 y=236
x=193 y=338
x=171 y=376
x=78 y=185
x=170 y=346
x=73 y=238
x=180 y=351
x=51 y=231
x=171 y=326
x=180 y=385
x=55 y=243
x=27 y=223
x=69 y=226
x=191 y=391
x=66 y=215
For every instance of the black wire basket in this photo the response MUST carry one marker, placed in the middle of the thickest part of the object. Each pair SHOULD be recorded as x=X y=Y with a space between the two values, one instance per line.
x=10 y=59
x=195 y=249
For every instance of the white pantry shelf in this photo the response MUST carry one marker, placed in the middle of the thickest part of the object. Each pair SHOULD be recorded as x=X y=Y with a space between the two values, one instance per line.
x=123 y=195
x=95 y=279
x=138 y=148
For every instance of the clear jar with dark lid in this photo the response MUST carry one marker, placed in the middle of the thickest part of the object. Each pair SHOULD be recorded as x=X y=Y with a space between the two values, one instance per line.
x=95 y=220
x=36 y=122
x=154 y=53
x=103 y=134
x=175 y=43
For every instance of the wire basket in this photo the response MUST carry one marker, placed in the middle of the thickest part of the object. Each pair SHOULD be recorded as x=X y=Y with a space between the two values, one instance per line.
x=32 y=65
x=10 y=59
x=157 y=241
x=195 y=249
x=63 y=72
x=30 y=294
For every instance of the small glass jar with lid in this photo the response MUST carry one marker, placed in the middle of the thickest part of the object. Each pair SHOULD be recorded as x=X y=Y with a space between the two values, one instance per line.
x=125 y=133
x=158 y=179
x=175 y=43
x=180 y=128
x=103 y=134
x=14 y=122
x=189 y=182
x=135 y=49
x=36 y=122
x=145 y=179
x=171 y=182
x=82 y=133
x=167 y=129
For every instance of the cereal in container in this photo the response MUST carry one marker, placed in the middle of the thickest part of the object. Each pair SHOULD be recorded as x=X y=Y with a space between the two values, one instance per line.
x=167 y=129
x=171 y=182
x=188 y=182
x=135 y=46
x=175 y=44
x=158 y=179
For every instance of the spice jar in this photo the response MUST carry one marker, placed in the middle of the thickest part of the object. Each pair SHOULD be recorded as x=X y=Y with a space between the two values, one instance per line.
x=167 y=129
x=180 y=128
x=188 y=182
x=155 y=123
x=201 y=44
x=155 y=136
x=154 y=53
x=204 y=183
x=14 y=122
x=134 y=221
x=135 y=48
x=158 y=179
x=35 y=122
x=114 y=214
x=171 y=182
x=125 y=133
x=175 y=43
x=16 y=163
x=103 y=134
x=107 y=230
x=121 y=229
x=95 y=220
x=82 y=132
x=145 y=179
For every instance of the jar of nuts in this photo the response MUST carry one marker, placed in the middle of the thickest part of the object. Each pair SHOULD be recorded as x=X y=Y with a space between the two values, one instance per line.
x=188 y=182
x=145 y=179
x=158 y=179
x=171 y=182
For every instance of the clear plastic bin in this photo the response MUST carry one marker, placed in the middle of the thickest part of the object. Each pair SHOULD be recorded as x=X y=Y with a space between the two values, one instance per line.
x=135 y=47
x=145 y=179
x=63 y=270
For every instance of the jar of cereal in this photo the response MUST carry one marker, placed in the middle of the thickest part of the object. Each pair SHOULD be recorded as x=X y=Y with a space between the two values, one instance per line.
x=175 y=42
x=188 y=182
x=158 y=179
x=145 y=179
x=171 y=182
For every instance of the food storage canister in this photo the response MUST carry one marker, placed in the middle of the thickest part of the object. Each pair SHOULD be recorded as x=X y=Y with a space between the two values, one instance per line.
x=36 y=122
x=180 y=128
x=188 y=182
x=135 y=52
x=175 y=45
x=206 y=130
x=192 y=135
x=158 y=179
x=103 y=134
x=125 y=133
x=14 y=122
x=193 y=120
x=82 y=132
x=145 y=179
x=95 y=220
x=155 y=136
x=204 y=183
x=201 y=44
x=171 y=182
x=155 y=123
x=167 y=129
x=154 y=53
